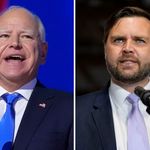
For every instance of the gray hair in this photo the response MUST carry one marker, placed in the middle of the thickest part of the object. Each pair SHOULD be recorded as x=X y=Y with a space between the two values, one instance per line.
x=41 y=28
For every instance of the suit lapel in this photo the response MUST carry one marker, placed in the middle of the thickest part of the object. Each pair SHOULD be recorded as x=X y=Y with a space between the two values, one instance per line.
x=102 y=115
x=37 y=107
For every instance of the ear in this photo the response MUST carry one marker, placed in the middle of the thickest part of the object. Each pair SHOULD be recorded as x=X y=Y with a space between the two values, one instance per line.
x=43 y=52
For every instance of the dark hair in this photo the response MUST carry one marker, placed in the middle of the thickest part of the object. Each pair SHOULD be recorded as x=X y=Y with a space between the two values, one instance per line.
x=125 y=12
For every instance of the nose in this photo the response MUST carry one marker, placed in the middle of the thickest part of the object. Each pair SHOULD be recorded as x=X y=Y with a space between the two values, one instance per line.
x=15 y=42
x=128 y=47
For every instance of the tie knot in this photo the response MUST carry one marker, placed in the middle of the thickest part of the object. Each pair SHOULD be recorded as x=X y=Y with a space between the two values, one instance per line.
x=132 y=98
x=10 y=98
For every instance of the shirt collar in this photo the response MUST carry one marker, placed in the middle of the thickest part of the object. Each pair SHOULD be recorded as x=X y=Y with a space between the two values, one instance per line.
x=118 y=94
x=26 y=90
x=147 y=87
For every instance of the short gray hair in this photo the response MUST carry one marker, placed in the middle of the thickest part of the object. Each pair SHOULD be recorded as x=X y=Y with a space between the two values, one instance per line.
x=41 y=28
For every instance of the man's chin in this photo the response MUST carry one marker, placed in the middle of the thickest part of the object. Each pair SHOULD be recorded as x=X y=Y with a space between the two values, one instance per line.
x=16 y=78
x=129 y=79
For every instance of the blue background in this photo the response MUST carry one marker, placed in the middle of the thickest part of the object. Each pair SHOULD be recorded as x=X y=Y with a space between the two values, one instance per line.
x=57 y=17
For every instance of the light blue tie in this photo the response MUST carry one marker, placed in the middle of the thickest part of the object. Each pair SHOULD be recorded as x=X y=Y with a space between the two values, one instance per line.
x=137 y=133
x=7 y=122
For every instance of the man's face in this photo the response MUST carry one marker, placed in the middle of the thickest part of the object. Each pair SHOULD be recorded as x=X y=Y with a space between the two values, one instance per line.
x=21 y=50
x=127 y=50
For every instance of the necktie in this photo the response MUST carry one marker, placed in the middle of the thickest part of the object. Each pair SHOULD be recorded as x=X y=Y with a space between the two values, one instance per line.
x=137 y=133
x=7 y=122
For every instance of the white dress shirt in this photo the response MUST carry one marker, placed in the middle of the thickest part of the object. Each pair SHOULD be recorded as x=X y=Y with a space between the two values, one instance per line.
x=20 y=105
x=121 y=108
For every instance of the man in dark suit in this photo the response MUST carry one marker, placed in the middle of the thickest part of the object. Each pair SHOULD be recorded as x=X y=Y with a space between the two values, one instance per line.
x=102 y=116
x=43 y=117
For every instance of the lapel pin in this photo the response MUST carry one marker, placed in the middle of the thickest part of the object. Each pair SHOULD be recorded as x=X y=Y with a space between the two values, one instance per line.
x=43 y=105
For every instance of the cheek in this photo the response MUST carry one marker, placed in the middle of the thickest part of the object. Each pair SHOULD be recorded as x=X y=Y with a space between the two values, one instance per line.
x=31 y=49
x=3 y=45
x=143 y=55
x=111 y=54
x=35 y=55
x=144 y=59
x=110 y=59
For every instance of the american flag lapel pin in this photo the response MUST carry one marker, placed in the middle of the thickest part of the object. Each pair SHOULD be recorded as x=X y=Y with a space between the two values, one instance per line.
x=43 y=105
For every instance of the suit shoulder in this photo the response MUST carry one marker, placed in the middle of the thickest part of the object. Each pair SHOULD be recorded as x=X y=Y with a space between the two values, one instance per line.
x=52 y=91
x=62 y=101
x=86 y=102
x=59 y=92
x=89 y=97
x=56 y=95
x=63 y=96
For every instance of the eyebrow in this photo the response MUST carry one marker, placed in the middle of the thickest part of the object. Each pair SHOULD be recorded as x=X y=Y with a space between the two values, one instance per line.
x=27 y=30
x=4 y=30
x=134 y=37
x=116 y=37
x=22 y=31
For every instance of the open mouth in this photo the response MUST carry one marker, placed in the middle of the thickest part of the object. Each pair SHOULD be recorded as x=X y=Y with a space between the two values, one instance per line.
x=15 y=57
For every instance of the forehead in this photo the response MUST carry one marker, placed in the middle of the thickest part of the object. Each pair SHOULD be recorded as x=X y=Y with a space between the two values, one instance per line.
x=19 y=18
x=132 y=25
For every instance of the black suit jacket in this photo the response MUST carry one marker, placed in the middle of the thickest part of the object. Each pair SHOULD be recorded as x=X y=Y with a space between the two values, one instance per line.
x=47 y=122
x=94 y=124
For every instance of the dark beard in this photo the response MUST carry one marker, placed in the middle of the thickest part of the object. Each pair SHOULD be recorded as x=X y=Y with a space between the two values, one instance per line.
x=129 y=79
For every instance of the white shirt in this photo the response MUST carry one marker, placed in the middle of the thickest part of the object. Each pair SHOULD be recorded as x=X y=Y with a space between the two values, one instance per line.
x=20 y=105
x=121 y=108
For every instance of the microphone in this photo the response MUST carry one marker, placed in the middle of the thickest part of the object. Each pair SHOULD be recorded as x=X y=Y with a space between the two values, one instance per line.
x=144 y=96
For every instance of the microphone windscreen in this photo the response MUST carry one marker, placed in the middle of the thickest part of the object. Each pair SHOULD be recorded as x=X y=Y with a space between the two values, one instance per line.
x=139 y=91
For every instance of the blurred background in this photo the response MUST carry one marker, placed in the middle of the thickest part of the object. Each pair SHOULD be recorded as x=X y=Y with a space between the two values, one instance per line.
x=57 y=16
x=91 y=15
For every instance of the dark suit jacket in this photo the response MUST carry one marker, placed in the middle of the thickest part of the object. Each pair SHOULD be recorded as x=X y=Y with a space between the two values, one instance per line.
x=94 y=124
x=47 y=122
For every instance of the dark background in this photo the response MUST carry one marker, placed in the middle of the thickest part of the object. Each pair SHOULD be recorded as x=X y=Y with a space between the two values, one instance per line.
x=91 y=15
